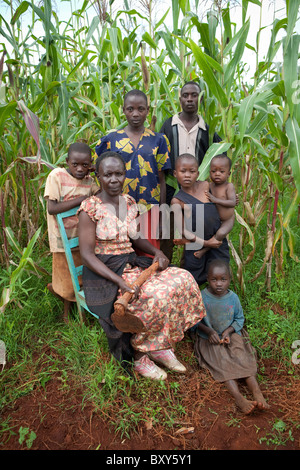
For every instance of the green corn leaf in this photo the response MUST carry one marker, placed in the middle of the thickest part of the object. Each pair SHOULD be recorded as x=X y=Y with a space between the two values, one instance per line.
x=209 y=75
x=94 y=25
x=148 y=39
x=113 y=35
x=245 y=113
x=28 y=250
x=242 y=222
x=258 y=124
x=5 y=298
x=293 y=132
x=5 y=111
x=227 y=24
x=204 y=33
x=160 y=22
x=87 y=101
x=24 y=260
x=290 y=68
x=132 y=12
x=238 y=54
x=166 y=87
x=13 y=241
x=292 y=17
x=40 y=101
x=19 y=11
x=175 y=12
x=64 y=97
x=78 y=65
x=214 y=149
x=170 y=48
x=291 y=210
x=258 y=145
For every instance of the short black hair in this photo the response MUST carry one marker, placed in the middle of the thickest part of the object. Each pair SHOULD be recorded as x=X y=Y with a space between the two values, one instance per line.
x=186 y=155
x=81 y=147
x=108 y=154
x=223 y=155
x=218 y=263
x=190 y=83
x=136 y=93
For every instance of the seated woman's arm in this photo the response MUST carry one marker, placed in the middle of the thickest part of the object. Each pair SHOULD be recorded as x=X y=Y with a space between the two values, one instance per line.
x=145 y=246
x=87 y=240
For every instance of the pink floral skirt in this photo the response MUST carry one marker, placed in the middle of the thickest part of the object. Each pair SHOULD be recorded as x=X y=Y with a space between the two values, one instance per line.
x=169 y=303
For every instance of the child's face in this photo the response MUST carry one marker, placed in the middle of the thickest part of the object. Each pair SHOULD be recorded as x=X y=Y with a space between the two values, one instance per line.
x=219 y=170
x=186 y=172
x=79 y=164
x=136 y=110
x=218 y=279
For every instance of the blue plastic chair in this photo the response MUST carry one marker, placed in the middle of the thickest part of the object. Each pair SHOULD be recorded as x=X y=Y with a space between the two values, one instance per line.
x=75 y=272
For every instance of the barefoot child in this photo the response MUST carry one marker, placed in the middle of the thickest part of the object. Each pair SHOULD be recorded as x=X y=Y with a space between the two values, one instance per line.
x=221 y=344
x=196 y=218
x=65 y=189
x=221 y=193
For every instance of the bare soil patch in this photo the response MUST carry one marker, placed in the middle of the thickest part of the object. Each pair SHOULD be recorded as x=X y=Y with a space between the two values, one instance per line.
x=211 y=421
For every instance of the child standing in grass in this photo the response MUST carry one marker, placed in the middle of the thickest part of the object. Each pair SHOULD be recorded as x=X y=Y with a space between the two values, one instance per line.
x=221 y=344
x=65 y=189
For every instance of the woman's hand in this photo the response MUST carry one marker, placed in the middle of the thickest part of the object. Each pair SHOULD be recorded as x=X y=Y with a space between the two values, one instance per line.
x=163 y=261
x=124 y=287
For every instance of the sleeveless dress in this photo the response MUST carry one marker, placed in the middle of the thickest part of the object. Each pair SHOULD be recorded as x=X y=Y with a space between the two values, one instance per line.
x=204 y=221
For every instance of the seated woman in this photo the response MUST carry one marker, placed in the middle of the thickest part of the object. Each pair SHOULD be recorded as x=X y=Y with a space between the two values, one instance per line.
x=168 y=303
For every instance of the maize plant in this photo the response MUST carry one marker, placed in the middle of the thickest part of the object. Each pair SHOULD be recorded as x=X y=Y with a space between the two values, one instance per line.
x=67 y=83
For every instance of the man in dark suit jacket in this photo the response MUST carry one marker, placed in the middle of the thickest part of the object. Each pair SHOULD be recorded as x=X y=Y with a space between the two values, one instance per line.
x=187 y=133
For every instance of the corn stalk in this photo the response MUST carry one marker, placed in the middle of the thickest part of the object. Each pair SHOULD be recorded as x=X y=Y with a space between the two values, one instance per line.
x=69 y=83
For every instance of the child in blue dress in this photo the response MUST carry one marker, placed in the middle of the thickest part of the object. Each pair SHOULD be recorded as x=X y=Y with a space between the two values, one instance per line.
x=221 y=344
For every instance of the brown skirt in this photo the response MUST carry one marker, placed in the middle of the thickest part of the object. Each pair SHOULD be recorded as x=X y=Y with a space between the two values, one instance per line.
x=236 y=360
x=61 y=278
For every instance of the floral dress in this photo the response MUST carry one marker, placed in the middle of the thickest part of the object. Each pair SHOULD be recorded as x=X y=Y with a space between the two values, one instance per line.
x=169 y=302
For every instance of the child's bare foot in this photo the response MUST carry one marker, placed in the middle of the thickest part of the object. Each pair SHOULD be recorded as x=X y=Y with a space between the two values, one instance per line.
x=261 y=402
x=245 y=405
x=198 y=254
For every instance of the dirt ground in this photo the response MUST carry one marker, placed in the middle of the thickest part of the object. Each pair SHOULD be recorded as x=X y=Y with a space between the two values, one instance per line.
x=211 y=422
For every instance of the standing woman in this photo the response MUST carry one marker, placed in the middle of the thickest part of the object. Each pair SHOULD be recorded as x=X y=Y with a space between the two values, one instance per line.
x=146 y=156
x=168 y=303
